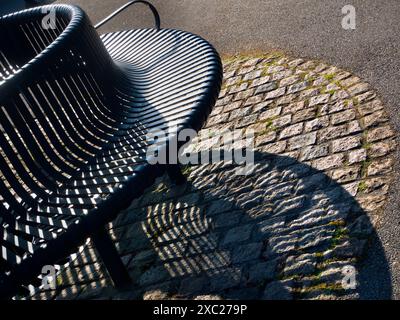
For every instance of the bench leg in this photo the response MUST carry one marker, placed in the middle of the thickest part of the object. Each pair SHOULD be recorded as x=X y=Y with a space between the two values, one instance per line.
x=175 y=174
x=111 y=259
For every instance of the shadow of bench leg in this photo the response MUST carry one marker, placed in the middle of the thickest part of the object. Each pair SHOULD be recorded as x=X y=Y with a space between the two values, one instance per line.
x=111 y=259
x=175 y=174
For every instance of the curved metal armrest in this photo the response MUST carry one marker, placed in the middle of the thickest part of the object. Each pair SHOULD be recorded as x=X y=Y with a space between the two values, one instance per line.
x=116 y=12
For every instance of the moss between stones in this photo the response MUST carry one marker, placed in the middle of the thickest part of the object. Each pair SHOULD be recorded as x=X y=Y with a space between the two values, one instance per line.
x=362 y=186
x=269 y=121
x=321 y=287
x=339 y=236
x=364 y=167
x=242 y=81
x=339 y=223
x=329 y=76
x=274 y=54
x=187 y=170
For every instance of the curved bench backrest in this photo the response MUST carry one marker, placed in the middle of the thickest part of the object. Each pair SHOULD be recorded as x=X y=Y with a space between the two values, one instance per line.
x=55 y=94
x=56 y=100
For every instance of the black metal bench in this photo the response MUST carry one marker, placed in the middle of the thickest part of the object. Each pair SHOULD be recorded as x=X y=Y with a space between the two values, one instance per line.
x=74 y=110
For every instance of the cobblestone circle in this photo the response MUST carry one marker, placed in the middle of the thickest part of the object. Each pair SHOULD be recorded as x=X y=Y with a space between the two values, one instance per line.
x=323 y=167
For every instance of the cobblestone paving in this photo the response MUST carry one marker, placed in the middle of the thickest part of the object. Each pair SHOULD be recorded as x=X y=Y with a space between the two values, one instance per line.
x=323 y=166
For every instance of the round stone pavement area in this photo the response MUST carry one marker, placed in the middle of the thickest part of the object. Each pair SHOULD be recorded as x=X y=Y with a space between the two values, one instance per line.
x=294 y=228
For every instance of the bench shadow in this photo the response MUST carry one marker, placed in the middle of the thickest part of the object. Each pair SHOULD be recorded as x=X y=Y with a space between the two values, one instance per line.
x=286 y=231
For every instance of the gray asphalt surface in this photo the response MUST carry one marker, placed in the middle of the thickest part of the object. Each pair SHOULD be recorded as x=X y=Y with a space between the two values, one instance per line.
x=303 y=28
